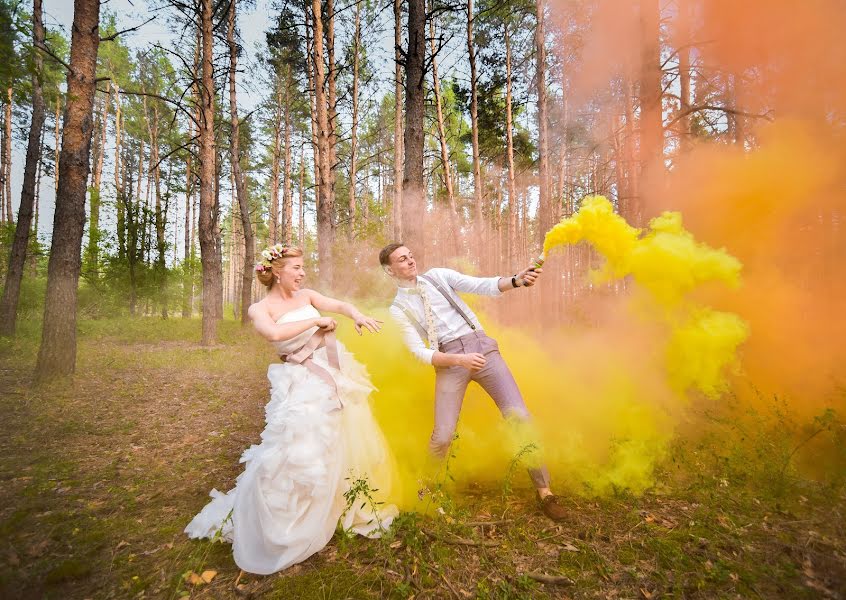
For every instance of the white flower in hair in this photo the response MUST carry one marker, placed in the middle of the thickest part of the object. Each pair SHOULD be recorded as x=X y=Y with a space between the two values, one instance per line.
x=267 y=255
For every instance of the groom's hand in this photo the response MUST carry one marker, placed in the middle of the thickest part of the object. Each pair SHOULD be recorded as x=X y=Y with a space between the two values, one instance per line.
x=472 y=362
x=528 y=276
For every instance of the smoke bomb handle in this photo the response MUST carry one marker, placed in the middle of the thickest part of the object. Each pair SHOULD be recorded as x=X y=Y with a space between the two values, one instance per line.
x=538 y=263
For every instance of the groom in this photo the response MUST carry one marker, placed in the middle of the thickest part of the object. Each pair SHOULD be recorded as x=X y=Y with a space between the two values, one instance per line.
x=429 y=311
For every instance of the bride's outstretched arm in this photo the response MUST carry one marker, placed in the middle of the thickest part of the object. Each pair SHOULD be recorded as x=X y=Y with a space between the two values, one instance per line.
x=327 y=304
x=275 y=332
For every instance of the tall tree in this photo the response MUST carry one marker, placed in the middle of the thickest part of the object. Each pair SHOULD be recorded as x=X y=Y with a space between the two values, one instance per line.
x=237 y=174
x=413 y=184
x=442 y=138
x=651 y=120
x=325 y=229
x=57 y=354
x=474 y=124
x=354 y=130
x=23 y=229
x=545 y=209
x=210 y=253
x=398 y=132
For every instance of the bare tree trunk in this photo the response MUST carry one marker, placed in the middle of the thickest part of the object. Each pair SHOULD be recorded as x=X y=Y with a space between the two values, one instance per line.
x=301 y=231
x=332 y=106
x=310 y=70
x=187 y=280
x=353 y=139
x=545 y=211
x=413 y=185
x=287 y=190
x=93 y=250
x=443 y=143
x=397 y=211
x=208 y=226
x=23 y=229
x=237 y=175
x=325 y=232
x=474 y=125
x=513 y=205
x=276 y=160
x=57 y=354
x=7 y=156
x=651 y=120
x=683 y=45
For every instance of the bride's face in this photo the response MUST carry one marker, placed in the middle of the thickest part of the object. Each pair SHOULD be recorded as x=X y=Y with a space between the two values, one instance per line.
x=291 y=274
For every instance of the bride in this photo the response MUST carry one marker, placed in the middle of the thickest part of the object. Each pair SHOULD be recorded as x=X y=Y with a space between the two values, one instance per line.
x=322 y=459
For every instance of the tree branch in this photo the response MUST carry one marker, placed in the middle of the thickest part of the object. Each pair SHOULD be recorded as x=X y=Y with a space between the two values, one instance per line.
x=114 y=36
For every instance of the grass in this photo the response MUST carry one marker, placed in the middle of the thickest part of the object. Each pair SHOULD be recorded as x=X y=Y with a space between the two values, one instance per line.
x=100 y=474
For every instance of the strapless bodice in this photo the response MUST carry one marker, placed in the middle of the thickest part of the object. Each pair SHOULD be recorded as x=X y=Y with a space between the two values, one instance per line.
x=298 y=314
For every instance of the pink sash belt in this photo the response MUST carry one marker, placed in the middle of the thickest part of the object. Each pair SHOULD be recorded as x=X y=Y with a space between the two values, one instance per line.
x=303 y=356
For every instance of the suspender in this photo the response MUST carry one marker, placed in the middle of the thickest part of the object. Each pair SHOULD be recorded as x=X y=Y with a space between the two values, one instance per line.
x=420 y=329
x=419 y=326
x=452 y=302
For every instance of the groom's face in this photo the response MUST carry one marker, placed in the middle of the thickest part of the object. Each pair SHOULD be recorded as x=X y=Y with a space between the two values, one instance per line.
x=402 y=264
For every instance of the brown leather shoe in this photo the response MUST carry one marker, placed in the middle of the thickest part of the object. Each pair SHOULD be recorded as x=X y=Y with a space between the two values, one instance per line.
x=553 y=509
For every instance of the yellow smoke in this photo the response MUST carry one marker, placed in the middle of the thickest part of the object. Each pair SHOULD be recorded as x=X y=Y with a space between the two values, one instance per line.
x=604 y=399
x=669 y=264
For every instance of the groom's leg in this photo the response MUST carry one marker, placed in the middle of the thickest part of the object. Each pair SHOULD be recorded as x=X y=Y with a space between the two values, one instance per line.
x=450 y=385
x=496 y=379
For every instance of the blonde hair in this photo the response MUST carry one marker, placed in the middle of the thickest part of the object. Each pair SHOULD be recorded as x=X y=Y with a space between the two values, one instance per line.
x=273 y=259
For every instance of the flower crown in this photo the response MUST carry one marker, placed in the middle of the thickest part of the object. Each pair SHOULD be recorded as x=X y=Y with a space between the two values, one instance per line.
x=270 y=254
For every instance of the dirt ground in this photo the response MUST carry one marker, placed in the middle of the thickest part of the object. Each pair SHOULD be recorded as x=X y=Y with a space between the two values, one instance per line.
x=100 y=474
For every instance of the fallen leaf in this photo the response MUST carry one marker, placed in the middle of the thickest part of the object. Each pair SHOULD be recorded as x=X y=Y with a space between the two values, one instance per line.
x=122 y=544
x=38 y=549
x=207 y=576
x=396 y=544
x=194 y=579
x=645 y=593
x=567 y=546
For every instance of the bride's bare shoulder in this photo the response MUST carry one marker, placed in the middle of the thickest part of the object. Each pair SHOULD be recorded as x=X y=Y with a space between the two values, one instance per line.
x=258 y=308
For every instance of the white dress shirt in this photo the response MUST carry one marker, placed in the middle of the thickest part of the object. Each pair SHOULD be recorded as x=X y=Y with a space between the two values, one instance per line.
x=449 y=325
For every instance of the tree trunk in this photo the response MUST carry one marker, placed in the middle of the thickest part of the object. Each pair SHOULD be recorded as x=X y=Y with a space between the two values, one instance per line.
x=683 y=45
x=275 y=162
x=513 y=205
x=310 y=71
x=397 y=211
x=57 y=354
x=474 y=126
x=237 y=175
x=353 y=139
x=287 y=190
x=7 y=156
x=651 y=120
x=92 y=252
x=544 y=198
x=324 y=190
x=413 y=185
x=23 y=229
x=332 y=106
x=187 y=281
x=208 y=230
x=453 y=213
x=301 y=230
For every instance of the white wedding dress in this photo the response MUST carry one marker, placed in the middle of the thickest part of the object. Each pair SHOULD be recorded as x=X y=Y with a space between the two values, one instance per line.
x=286 y=504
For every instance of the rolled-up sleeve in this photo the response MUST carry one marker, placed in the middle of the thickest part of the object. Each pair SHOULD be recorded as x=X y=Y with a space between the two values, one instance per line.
x=484 y=286
x=412 y=337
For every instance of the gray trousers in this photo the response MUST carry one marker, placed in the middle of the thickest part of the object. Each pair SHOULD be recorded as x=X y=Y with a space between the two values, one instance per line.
x=495 y=378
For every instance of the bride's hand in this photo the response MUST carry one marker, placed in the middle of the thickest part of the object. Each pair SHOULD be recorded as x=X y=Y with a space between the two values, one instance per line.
x=326 y=323
x=363 y=321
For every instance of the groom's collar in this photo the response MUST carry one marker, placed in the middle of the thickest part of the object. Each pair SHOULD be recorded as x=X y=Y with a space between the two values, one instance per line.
x=406 y=290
